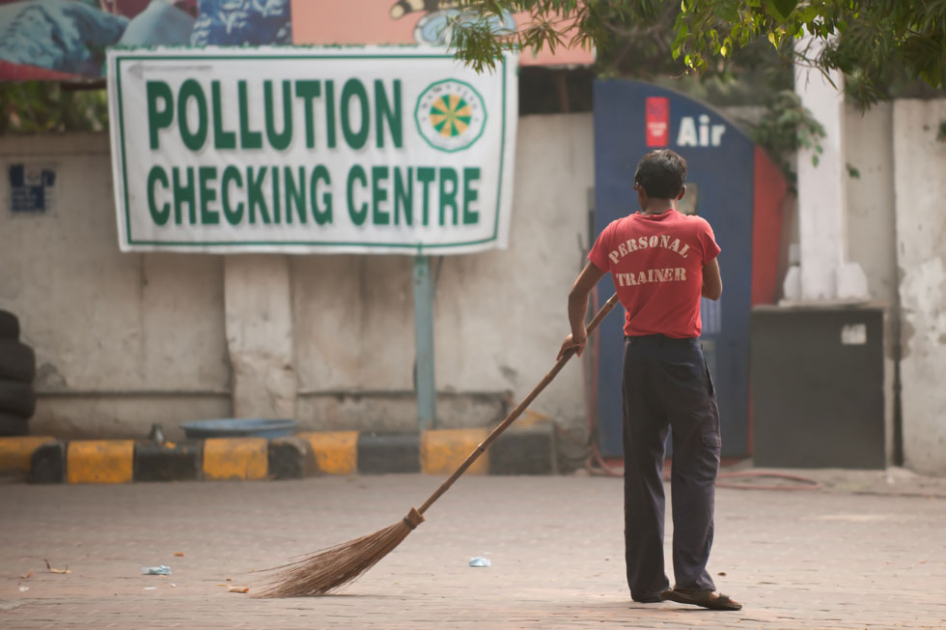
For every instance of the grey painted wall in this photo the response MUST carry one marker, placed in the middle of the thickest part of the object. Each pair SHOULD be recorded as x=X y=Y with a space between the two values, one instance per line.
x=124 y=340
x=921 y=240
x=121 y=340
x=499 y=316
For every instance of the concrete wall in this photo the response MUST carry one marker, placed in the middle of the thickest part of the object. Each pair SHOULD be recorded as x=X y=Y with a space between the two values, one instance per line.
x=259 y=336
x=124 y=340
x=921 y=234
x=871 y=229
x=121 y=340
x=871 y=225
x=499 y=316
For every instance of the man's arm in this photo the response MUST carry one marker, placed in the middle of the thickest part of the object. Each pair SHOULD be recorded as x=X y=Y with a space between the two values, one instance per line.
x=712 y=282
x=578 y=308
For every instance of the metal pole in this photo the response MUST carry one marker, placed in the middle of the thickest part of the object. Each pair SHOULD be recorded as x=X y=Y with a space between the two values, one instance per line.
x=424 y=381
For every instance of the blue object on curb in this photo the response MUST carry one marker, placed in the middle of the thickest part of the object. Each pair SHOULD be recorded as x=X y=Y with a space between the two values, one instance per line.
x=239 y=427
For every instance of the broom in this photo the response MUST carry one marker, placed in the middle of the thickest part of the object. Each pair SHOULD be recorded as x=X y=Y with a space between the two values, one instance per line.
x=327 y=570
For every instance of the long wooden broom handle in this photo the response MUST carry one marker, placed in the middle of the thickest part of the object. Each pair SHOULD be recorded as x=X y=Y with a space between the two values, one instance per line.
x=515 y=413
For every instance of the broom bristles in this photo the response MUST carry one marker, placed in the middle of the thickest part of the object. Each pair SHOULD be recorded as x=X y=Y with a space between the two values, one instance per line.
x=327 y=570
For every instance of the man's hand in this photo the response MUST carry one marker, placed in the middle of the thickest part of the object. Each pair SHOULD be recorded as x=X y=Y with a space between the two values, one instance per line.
x=578 y=308
x=712 y=282
x=571 y=343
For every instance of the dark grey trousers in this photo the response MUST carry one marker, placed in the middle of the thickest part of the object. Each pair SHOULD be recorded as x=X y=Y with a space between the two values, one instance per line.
x=667 y=388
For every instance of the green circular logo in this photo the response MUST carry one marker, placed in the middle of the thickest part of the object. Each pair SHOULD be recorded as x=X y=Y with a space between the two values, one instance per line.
x=450 y=115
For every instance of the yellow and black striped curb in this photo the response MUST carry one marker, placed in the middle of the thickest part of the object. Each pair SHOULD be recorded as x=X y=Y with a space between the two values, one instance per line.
x=16 y=453
x=530 y=451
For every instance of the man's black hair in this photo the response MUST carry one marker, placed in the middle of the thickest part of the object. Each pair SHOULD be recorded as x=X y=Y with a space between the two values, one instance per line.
x=661 y=173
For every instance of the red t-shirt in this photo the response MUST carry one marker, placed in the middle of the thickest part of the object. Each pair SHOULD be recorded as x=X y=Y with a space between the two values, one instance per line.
x=657 y=261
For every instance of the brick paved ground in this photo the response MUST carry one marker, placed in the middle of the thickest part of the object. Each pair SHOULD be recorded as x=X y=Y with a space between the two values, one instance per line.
x=797 y=560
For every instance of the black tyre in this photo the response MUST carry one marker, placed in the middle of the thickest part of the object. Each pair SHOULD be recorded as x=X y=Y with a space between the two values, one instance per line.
x=17 y=361
x=17 y=399
x=11 y=425
x=9 y=325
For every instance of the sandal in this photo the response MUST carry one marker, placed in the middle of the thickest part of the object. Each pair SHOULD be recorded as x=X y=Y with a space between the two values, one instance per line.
x=707 y=599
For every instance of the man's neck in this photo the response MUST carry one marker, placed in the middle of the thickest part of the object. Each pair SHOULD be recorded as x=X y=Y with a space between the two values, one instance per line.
x=658 y=208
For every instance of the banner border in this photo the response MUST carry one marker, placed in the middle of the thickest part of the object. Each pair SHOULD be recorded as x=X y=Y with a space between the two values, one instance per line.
x=120 y=56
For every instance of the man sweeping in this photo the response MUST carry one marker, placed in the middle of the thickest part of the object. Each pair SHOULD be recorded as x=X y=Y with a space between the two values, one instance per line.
x=662 y=262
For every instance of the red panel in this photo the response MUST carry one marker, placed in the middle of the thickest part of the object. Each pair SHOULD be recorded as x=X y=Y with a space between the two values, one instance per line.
x=749 y=419
x=658 y=121
x=769 y=191
x=22 y=72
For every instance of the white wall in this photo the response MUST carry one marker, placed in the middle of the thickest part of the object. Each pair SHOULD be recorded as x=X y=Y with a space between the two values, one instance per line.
x=124 y=340
x=921 y=236
x=871 y=228
x=499 y=316
x=259 y=336
x=121 y=340
x=871 y=224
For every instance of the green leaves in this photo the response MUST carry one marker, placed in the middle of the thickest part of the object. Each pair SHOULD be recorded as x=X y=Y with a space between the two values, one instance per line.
x=877 y=40
x=679 y=40
x=787 y=126
x=781 y=9
x=728 y=10
x=48 y=107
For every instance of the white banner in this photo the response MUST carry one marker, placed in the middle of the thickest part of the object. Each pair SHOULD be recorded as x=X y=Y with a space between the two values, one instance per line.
x=300 y=150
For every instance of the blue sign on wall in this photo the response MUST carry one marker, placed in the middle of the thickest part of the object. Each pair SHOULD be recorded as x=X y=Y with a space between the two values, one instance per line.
x=31 y=188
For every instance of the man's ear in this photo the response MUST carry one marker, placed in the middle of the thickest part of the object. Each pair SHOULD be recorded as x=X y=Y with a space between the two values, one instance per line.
x=683 y=191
